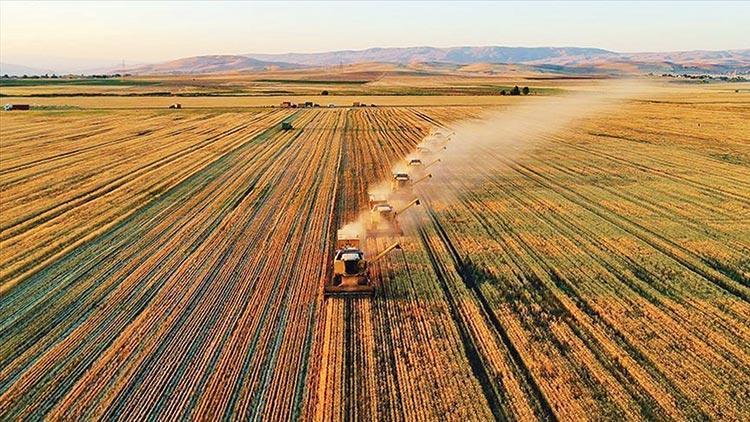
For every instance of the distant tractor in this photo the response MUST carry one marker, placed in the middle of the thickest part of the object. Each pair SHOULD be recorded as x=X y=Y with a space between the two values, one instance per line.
x=286 y=126
x=351 y=275
x=13 y=107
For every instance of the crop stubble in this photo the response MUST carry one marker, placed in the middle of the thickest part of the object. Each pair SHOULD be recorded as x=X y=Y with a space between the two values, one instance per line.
x=162 y=264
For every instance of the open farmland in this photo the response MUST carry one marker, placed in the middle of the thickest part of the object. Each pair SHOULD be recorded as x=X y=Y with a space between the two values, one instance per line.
x=170 y=265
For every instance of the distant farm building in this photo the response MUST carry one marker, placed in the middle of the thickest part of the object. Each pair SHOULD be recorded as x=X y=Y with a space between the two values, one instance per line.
x=11 y=107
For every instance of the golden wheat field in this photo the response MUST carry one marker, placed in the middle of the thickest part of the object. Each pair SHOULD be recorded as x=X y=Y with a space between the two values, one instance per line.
x=169 y=264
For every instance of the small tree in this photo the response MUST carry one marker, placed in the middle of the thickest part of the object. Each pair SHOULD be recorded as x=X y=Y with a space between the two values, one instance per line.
x=515 y=91
x=525 y=90
x=325 y=92
x=503 y=92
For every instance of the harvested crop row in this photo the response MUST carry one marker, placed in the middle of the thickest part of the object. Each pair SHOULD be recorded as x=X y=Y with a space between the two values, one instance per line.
x=82 y=197
x=558 y=282
x=549 y=255
x=207 y=293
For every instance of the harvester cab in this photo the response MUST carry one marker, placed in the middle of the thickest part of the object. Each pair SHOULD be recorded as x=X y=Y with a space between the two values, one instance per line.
x=350 y=268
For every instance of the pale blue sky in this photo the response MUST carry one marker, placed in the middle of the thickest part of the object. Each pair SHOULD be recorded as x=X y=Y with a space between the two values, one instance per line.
x=155 y=31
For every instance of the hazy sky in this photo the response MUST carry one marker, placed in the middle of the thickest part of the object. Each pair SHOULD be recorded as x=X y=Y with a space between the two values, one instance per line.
x=31 y=32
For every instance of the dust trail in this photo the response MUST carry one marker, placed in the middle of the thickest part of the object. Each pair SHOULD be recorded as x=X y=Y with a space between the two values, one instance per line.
x=464 y=151
x=467 y=148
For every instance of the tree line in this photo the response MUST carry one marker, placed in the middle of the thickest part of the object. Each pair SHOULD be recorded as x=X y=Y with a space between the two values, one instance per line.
x=516 y=91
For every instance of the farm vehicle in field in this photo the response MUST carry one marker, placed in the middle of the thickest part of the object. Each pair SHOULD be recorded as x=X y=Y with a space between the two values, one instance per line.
x=383 y=219
x=402 y=184
x=351 y=275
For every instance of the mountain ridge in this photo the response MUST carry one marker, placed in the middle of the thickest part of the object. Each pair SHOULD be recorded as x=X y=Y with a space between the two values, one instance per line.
x=542 y=59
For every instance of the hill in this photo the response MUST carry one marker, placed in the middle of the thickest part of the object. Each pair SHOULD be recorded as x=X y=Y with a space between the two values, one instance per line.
x=561 y=60
x=19 y=70
x=211 y=64
x=458 y=55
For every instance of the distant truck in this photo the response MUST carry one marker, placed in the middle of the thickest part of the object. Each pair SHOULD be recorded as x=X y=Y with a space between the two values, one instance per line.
x=12 y=107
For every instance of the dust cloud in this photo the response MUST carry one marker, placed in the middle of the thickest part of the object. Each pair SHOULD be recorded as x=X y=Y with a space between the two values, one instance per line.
x=514 y=130
x=467 y=147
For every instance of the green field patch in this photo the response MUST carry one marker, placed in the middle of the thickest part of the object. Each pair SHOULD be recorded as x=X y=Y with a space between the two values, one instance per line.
x=311 y=82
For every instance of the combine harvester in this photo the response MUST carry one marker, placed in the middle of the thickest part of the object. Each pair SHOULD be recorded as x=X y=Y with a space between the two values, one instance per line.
x=402 y=185
x=350 y=267
x=351 y=275
x=383 y=219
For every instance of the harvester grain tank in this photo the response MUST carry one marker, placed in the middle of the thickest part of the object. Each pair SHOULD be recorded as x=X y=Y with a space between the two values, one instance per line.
x=400 y=181
x=382 y=220
x=350 y=267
